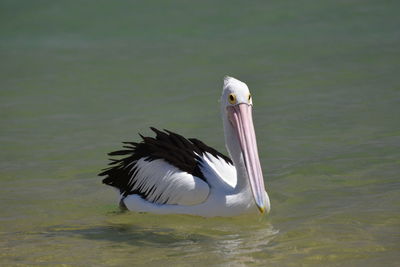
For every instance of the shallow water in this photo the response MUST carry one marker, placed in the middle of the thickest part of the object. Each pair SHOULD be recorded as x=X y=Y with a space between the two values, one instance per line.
x=77 y=78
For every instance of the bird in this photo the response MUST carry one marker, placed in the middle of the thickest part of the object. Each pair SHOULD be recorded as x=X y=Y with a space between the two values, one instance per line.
x=171 y=174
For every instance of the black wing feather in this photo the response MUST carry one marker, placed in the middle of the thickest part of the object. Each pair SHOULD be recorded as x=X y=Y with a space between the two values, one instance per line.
x=173 y=148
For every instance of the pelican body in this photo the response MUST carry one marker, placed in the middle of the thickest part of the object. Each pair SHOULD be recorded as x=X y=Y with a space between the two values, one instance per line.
x=172 y=174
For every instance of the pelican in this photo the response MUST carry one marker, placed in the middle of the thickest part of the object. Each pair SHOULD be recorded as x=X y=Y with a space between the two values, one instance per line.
x=171 y=174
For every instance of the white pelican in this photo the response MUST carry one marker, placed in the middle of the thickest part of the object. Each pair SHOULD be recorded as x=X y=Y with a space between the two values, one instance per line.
x=172 y=174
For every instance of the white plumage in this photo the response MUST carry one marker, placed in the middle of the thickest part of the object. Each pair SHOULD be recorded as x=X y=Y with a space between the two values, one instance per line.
x=168 y=184
x=219 y=198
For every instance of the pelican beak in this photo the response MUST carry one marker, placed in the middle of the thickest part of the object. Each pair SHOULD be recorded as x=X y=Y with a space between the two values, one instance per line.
x=240 y=116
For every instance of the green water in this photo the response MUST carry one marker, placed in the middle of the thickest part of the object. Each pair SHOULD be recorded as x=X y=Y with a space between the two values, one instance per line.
x=79 y=77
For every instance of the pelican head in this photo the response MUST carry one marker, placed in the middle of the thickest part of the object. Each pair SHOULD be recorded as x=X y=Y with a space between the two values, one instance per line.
x=240 y=138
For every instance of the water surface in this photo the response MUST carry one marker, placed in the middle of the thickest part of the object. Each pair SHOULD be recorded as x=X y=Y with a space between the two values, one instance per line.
x=79 y=77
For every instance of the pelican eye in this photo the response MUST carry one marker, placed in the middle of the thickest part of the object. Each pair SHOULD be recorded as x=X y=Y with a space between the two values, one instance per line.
x=249 y=98
x=232 y=98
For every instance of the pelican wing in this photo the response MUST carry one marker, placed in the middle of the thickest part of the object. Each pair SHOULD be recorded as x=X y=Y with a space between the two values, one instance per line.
x=167 y=169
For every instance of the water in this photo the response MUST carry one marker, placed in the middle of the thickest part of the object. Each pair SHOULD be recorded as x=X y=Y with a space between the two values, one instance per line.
x=79 y=77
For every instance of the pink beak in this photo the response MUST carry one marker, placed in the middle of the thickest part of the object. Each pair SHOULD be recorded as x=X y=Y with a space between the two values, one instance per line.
x=240 y=116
